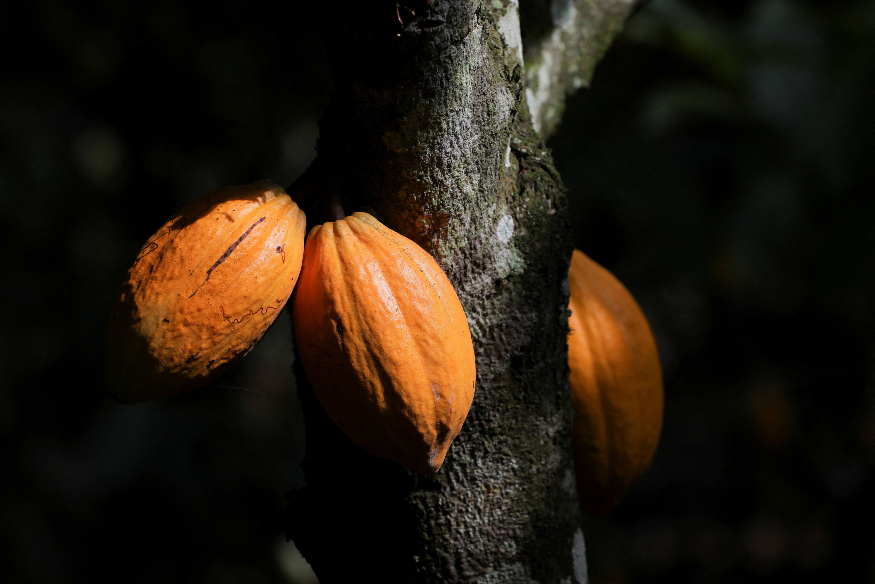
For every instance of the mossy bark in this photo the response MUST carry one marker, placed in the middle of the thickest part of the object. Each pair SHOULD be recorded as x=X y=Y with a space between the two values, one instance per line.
x=430 y=132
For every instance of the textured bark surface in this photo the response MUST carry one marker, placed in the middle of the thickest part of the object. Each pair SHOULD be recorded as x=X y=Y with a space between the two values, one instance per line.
x=430 y=133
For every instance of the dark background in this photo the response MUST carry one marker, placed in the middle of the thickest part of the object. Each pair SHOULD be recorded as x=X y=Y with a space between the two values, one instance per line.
x=720 y=166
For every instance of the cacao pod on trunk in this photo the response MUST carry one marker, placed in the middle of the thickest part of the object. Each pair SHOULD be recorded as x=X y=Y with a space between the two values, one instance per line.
x=616 y=386
x=203 y=290
x=384 y=341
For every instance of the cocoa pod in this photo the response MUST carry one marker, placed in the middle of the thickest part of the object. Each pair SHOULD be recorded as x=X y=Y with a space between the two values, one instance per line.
x=384 y=341
x=203 y=290
x=616 y=386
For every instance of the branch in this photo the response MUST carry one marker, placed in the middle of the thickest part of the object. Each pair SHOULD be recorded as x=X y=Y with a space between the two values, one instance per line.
x=564 y=39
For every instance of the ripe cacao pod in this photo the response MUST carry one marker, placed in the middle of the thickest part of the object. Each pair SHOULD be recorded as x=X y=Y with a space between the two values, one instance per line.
x=616 y=386
x=384 y=341
x=203 y=290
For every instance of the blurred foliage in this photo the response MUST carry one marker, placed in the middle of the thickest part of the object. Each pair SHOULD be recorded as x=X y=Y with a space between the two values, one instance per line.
x=719 y=166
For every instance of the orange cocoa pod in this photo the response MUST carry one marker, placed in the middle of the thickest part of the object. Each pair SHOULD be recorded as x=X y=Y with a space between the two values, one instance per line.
x=203 y=290
x=616 y=386
x=384 y=341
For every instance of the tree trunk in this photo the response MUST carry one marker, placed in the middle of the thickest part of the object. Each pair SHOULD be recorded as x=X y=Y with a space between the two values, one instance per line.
x=430 y=132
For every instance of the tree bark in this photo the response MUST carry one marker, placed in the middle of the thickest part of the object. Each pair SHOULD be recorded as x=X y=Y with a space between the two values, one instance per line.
x=430 y=132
